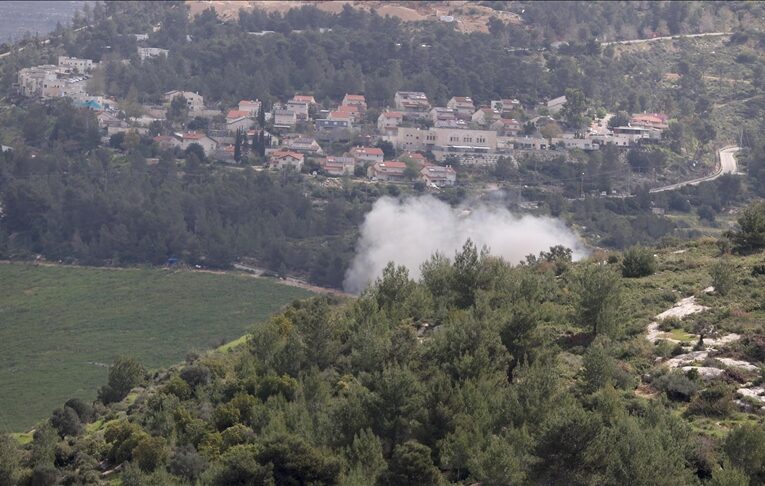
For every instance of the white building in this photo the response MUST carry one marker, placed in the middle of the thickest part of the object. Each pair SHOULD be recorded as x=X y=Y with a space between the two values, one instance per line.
x=194 y=101
x=186 y=139
x=150 y=52
x=416 y=139
x=31 y=79
x=412 y=103
x=339 y=166
x=462 y=105
x=285 y=159
x=438 y=176
x=250 y=106
x=389 y=120
x=367 y=154
x=284 y=118
x=75 y=64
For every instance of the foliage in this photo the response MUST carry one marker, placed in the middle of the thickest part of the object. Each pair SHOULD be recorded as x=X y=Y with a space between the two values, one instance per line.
x=745 y=448
x=598 y=299
x=638 y=262
x=723 y=276
x=124 y=374
x=751 y=232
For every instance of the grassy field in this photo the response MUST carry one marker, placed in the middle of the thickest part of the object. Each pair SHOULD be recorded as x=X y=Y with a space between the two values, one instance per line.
x=61 y=326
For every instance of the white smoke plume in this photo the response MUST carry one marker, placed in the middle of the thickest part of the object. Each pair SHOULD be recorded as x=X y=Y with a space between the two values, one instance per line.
x=408 y=232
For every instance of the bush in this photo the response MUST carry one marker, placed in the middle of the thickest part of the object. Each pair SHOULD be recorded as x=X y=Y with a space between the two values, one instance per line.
x=723 y=277
x=84 y=410
x=638 y=262
x=751 y=233
x=196 y=375
x=179 y=387
x=677 y=386
x=66 y=422
x=150 y=453
x=715 y=401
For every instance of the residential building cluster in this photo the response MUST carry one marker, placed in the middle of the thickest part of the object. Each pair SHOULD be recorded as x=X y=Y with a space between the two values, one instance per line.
x=295 y=129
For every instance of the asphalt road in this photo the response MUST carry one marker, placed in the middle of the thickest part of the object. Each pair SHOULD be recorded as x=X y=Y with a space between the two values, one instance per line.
x=727 y=166
x=668 y=37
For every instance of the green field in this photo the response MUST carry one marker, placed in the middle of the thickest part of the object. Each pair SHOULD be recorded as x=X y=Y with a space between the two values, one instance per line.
x=60 y=326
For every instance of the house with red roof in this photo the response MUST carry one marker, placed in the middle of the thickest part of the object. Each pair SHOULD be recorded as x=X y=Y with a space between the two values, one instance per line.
x=298 y=98
x=355 y=100
x=650 y=120
x=390 y=171
x=286 y=159
x=239 y=119
x=367 y=154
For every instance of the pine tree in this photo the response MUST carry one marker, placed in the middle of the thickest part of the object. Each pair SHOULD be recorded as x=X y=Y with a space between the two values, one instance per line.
x=262 y=144
x=262 y=115
x=238 y=146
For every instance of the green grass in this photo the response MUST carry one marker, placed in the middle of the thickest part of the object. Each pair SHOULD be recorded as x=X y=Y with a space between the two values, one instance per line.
x=23 y=438
x=679 y=335
x=61 y=326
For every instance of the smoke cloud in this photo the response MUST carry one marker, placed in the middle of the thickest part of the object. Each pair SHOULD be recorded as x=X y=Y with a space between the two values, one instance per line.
x=408 y=232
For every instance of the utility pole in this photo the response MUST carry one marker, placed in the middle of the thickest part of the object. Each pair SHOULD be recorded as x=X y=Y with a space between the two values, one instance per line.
x=581 y=186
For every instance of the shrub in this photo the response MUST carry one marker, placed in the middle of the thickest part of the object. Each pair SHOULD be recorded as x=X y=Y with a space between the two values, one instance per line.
x=66 y=422
x=715 y=401
x=638 y=262
x=677 y=386
x=84 y=410
x=196 y=375
x=751 y=233
x=179 y=387
x=723 y=276
x=225 y=416
x=150 y=453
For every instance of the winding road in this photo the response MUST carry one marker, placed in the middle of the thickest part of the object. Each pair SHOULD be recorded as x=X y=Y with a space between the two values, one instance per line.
x=727 y=166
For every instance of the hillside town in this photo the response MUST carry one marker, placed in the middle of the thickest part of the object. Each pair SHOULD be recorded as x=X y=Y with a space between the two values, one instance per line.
x=425 y=142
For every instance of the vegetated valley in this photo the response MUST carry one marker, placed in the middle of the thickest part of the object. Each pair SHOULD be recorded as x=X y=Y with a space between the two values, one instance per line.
x=148 y=149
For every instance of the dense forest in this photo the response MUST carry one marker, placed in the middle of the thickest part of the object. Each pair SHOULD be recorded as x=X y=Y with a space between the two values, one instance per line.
x=479 y=372
x=104 y=208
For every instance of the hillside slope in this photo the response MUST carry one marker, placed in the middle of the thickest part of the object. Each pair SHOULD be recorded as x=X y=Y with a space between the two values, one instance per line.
x=620 y=369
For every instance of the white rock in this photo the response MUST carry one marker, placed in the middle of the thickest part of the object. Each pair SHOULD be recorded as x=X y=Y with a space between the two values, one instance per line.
x=706 y=372
x=735 y=363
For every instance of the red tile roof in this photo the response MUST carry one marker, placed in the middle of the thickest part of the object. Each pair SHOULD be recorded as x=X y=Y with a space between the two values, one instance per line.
x=237 y=114
x=286 y=153
x=368 y=151
x=393 y=114
x=354 y=97
x=303 y=98
x=391 y=164
x=193 y=136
